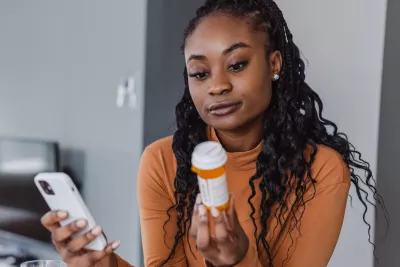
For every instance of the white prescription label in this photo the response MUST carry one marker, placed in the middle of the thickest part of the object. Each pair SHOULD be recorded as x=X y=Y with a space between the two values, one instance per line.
x=214 y=192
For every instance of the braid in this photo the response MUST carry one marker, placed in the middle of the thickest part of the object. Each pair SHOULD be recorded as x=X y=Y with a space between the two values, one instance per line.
x=293 y=123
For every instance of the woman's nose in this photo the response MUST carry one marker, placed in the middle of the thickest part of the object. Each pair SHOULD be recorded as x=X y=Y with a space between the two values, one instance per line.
x=220 y=85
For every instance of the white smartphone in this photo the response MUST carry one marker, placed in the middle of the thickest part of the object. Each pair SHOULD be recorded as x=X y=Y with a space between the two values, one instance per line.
x=60 y=193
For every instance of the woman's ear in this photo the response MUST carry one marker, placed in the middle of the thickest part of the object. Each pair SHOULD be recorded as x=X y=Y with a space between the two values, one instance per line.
x=275 y=62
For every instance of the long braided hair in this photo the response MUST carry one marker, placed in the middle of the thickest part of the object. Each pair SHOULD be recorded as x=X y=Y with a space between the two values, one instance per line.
x=292 y=123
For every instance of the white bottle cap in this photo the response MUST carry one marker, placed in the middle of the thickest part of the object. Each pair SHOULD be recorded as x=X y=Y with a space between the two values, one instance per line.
x=209 y=155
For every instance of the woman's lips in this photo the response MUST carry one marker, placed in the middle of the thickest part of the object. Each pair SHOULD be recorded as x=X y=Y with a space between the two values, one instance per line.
x=224 y=108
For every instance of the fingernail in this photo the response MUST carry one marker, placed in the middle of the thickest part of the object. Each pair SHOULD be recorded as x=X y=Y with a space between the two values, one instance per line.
x=198 y=199
x=96 y=230
x=215 y=212
x=62 y=214
x=116 y=244
x=202 y=210
x=81 y=223
x=203 y=213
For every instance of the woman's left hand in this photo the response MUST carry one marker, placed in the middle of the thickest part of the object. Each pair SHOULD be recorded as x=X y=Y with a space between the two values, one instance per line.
x=227 y=243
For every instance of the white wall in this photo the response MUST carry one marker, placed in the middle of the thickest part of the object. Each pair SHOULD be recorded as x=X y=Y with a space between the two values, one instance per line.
x=343 y=43
x=31 y=82
x=109 y=45
x=66 y=58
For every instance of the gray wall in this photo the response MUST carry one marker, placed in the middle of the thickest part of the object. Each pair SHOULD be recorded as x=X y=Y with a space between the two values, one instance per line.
x=60 y=64
x=388 y=239
x=164 y=64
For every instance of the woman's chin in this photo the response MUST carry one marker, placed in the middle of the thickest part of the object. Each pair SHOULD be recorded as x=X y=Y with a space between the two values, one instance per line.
x=226 y=124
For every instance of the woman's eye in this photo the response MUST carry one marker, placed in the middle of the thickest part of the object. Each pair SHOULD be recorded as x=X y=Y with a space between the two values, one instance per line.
x=238 y=66
x=199 y=75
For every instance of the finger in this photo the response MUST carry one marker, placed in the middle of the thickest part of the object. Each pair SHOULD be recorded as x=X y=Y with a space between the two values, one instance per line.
x=195 y=217
x=232 y=220
x=80 y=242
x=221 y=233
x=95 y=256
x=51 y=220
x=203 y=233
x=198 y=202
x=231 y=216
x=64 y=233
x=231 y=208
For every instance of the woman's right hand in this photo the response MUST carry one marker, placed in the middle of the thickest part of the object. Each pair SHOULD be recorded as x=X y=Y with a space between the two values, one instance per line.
x=73 y=251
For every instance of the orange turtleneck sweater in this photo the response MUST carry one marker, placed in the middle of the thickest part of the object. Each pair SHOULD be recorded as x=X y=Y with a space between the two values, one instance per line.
x=310 y=244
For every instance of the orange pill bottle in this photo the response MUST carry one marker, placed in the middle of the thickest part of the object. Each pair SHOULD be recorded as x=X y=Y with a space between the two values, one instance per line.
x=208 y=162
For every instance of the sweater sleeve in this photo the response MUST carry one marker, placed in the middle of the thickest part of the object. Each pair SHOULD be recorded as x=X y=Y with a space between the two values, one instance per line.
x=154 y=201
x=251 y=259
x=319 y=232
x=313 y=243
x=121 y=262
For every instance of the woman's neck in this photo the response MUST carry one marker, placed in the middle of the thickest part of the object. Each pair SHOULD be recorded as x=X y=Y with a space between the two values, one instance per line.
x=241 y=140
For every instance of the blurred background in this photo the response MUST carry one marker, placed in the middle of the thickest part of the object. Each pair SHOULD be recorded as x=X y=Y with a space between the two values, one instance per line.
x=86 y=85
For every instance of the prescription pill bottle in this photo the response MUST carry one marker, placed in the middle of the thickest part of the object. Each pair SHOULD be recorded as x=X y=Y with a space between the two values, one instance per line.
x=208 y=162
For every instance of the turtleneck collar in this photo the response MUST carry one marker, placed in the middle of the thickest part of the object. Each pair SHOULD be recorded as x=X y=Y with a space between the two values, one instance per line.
x=239 y=161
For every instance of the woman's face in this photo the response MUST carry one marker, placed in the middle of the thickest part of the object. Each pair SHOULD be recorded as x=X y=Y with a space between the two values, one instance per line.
x=230 y=80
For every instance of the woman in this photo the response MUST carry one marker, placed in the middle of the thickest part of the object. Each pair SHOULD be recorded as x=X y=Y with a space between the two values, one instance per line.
x=289 y=170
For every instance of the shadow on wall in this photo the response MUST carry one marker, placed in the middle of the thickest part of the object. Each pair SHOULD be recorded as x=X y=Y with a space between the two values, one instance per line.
x=388 y=239
x=164 y=60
